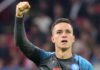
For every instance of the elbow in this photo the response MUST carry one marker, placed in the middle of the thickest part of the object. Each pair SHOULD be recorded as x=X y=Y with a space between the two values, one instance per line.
x=19 y=42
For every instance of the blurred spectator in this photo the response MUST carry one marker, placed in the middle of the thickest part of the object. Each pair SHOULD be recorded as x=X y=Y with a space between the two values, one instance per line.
x=85 y=25
x=29 y=65
x=83 y=46
x=36 y=36
x=85 y=15
x=58 y=11
x=97 y=54
x=75 y=7
x=4 y=49
x=43 y=6
x=96 y=59
x=43 y=22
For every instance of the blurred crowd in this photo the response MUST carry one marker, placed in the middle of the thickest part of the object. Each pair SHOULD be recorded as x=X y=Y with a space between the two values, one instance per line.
x=84 y=16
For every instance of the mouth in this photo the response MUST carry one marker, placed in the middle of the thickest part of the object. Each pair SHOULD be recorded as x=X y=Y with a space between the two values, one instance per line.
x=64 y=41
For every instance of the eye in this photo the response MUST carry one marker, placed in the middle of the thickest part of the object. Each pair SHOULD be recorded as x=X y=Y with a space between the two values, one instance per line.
x=68 y=31
x=59 y=32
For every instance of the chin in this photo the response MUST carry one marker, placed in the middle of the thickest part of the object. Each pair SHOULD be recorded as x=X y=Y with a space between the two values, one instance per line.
x=64 y=47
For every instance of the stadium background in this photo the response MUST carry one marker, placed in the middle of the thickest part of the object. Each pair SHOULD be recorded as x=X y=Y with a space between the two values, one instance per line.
x=85 y=17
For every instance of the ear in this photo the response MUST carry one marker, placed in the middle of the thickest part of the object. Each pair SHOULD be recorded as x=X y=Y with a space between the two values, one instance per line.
x=52 y=39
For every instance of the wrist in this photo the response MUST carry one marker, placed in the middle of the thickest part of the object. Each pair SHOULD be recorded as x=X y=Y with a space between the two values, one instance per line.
x=19 y=15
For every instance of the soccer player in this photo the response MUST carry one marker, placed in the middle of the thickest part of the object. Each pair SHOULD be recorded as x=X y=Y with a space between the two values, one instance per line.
x=62 y=37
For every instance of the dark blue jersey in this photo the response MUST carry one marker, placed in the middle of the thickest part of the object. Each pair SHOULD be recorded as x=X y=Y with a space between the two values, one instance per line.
x=38 y=56
x=83 y=63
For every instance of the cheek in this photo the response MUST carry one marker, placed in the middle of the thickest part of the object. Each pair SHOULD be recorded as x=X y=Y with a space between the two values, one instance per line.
x=56 y=39
x=71 y=38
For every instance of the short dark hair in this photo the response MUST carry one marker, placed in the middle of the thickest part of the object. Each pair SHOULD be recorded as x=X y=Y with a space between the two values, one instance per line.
x=59 y=21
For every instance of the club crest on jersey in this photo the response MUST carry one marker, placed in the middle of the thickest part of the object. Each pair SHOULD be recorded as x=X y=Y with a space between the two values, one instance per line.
x=74 y=67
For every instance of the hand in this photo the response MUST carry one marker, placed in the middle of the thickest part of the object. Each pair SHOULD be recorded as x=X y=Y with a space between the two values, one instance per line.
x=22 y=8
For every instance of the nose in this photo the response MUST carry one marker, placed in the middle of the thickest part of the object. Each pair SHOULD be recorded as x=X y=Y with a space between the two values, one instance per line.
x=64 y=35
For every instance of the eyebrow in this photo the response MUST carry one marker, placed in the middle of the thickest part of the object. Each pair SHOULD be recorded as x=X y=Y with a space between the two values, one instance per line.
x=59 y=30
x=68 y=30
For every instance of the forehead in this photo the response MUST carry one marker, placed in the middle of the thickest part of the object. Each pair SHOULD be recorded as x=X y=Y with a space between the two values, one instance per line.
x=62 y=25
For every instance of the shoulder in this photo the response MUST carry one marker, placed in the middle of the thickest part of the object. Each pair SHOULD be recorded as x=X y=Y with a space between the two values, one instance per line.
x=84 y=64
x=45 y=55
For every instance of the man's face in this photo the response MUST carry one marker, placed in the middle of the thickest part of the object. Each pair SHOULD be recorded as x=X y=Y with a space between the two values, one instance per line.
x=62 y=35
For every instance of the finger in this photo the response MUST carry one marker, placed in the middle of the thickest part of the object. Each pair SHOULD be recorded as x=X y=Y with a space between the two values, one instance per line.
x=26 y=6
x=21 y=9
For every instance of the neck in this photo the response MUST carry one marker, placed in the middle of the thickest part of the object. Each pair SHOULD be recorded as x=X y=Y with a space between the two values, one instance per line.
x=63 y=53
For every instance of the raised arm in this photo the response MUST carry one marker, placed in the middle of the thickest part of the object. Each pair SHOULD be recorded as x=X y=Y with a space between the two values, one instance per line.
x=29 y=49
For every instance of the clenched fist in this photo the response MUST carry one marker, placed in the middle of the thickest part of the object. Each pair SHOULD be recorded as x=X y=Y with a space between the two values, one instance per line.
x=22 y=8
